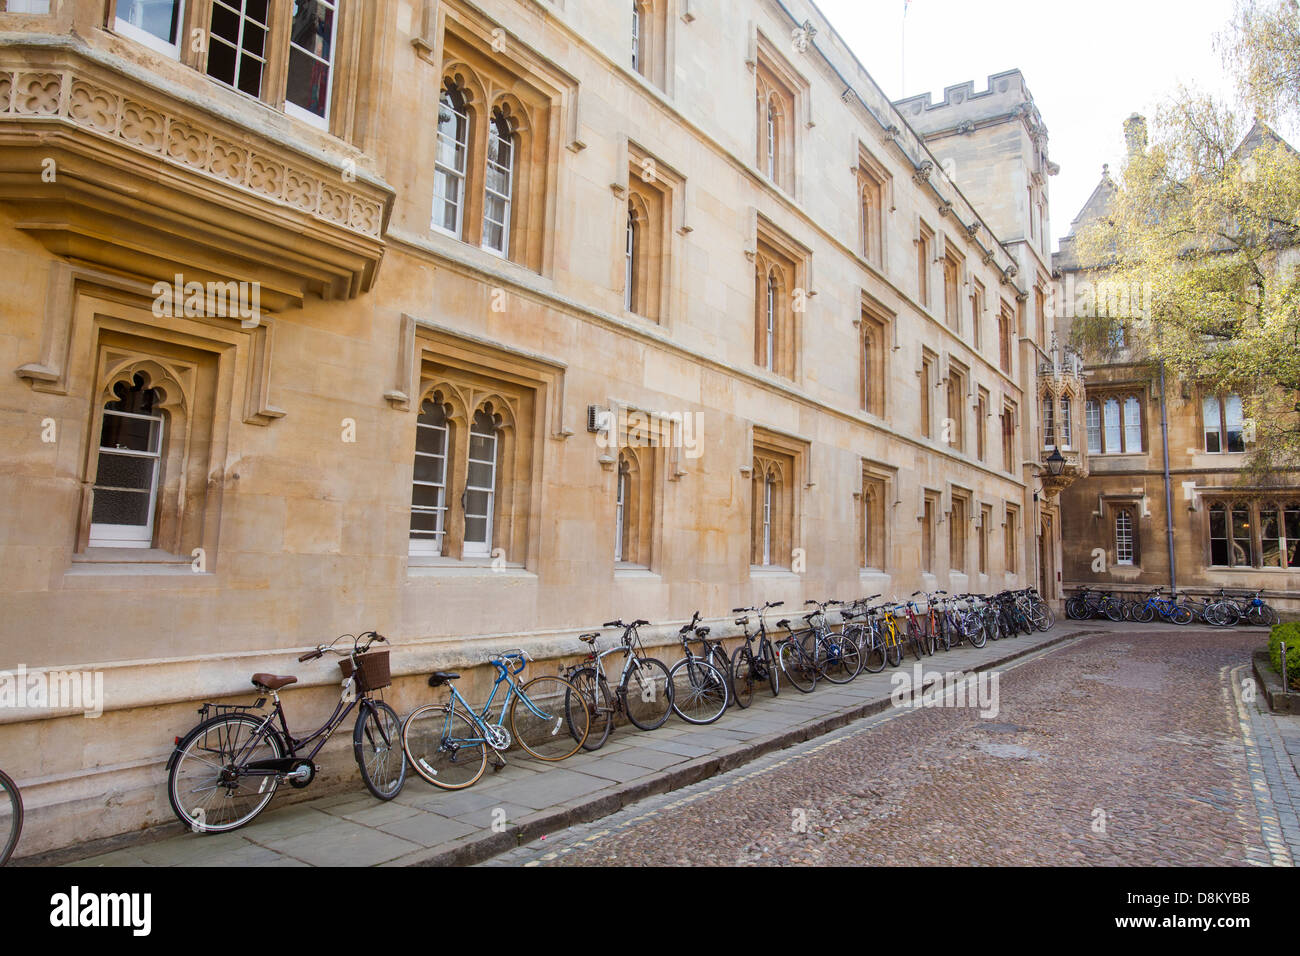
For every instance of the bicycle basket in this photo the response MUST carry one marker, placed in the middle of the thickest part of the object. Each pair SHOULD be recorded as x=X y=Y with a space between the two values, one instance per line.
x=372 y=670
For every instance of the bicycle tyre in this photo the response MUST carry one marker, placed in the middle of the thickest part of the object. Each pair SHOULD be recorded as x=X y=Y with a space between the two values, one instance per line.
x=843 y=660
x=591 y=693
x=1143 y=614
x=539 y=734
x=10 y=795
x=699 y=691
x=797 y=669
x=1181 y=615
x=199 y=819
x=742 y=676
x=641 y=689
x=915 y=640
x=717 y=656
x=876 y=655
x=975 y=631
x=434 y=742
x=773 y=672
x=374 y=750
x=1076 y=609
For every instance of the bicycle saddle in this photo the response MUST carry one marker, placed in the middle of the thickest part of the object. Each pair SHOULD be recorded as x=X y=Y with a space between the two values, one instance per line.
x=784 y=623
x=272 y=681
x=701 y=632
x=438 y=678
x=589 y=638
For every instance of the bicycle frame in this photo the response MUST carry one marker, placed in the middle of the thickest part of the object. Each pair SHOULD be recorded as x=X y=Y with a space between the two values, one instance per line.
x=480 y=717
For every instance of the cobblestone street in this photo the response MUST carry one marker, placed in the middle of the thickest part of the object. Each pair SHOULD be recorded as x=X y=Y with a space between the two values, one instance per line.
x=1123 y=748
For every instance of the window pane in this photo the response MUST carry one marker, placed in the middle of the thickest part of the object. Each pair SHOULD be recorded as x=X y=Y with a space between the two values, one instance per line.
x=1210 y=414
x=311 y=56
x=121 y=507
x=480 y=474
x=125 y=471
x=1243 y=552
x=158 y=18
x=426 y=496
x=1123 y=538
x=475 y=530
x=1292 y=529
x=136 y=434
x=1270 y=539
x=1065 y=426
x=1233 y=420
x=1092 y=415
x=1132 y=425
x=1111 y=408
x=1218 y=535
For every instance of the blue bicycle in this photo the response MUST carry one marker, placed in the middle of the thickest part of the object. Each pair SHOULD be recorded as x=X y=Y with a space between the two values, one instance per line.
x=448 y=744
x=1166 y=607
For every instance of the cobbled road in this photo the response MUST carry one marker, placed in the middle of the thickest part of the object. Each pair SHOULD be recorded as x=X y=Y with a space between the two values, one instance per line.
x=1113 y=749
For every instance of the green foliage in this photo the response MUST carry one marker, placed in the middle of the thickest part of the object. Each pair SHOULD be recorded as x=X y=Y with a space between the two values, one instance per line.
x=1288 y=634
x=1211 y=232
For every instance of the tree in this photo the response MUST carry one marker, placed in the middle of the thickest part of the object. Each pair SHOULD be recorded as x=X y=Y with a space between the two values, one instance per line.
x=1206 y=222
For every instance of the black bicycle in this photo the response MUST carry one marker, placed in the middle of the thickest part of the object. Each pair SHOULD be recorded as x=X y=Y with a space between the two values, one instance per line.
x=748 y=667
x=11 y=816
x=225 y=771
x=644 y=692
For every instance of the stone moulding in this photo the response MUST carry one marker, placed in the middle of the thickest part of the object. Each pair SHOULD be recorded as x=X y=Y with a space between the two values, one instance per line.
x=82 y=150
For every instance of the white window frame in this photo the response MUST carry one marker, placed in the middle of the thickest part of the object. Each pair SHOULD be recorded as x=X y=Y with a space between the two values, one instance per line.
x=630 y=251
x=130 y=535
x=144 y=37
x=1092 y=425
x=424 y=545
x=1049 y=421
x=770 y=348
x=489 y=193
x=771 y=139
x=1064 y=426
x=1132 y=425
x=620 y=511
x=481 y=548
x=636 y=36
x=293 y=109
x=444 y=173
x=1124 y=537
x=768 y=484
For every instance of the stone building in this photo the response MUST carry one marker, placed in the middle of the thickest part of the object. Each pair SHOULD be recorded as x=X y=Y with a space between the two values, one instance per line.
x=1223 y=529
x=478 y=324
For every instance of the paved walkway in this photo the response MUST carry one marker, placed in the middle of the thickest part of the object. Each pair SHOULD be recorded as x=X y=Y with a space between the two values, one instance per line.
x=528 y=799
x=1273 y=756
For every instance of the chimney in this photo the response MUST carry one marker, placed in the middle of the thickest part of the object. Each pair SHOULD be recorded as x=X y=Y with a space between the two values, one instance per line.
x=1135 y=134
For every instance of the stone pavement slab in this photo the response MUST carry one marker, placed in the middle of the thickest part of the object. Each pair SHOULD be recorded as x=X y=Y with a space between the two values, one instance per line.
x=528 y=799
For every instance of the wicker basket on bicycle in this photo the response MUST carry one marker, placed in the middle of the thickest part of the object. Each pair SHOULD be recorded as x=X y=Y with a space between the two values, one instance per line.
x=372 y=670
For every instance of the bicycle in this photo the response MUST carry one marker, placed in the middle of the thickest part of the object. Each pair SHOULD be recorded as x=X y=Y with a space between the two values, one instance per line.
x=448 y=747
x=225 y=770
x=650 y=701
x=837 y=656
x=746 y=666
x=1166 y=607
x=917 y=638
x=699 y=689
x=11 y=816
x=797 y=664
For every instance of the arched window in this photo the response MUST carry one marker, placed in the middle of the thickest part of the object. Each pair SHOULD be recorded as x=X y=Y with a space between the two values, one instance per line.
x=1132 y=425
x=620 y=509
x=126 y=479
x=769 y=488
x=638 y=59
x=450 y=162
x=773 y=122
x=630 y=252
x=1049 y=421
x=498 y=185
x=1066 y=427
x=481 y=482
x=769 y=339
x=1124 y=536
x=429 y=484
x=1092 y=423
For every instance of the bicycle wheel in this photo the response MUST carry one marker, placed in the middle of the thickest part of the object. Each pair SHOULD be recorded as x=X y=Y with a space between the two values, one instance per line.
x=975 y=631
x=798 y=669
x=1181 y=614
x=1047 y=617
x=542 y=721
x=1143 y=613
x=742 y=676
x=874 y=653
x=717 y=656
x=11 y=817
x=1229 y=615
x=699 y=691
x=205 y=785
x=773 y=672
x=648 y=693
x=1114 y=610
x=1076 y=609
x=1261 y=615
x=377 y=745
x=444 y=746
x=590 y=693
x=840 y=659
x=894 y=645
x=915 y=639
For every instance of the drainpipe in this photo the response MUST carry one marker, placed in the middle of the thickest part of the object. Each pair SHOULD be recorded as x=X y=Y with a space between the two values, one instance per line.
x=1169 y=489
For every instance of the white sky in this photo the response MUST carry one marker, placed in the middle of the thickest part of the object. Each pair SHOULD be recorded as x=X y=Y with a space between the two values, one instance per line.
x=1088 y=66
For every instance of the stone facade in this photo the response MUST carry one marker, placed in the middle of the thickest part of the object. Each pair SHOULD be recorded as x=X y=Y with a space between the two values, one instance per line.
x=1227 y=530
x=475 y=232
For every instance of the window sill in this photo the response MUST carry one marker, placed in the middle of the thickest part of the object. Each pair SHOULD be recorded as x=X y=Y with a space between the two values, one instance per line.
x=119 y=561
x=771 y=571
x=624 y=570
x=428 y=567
